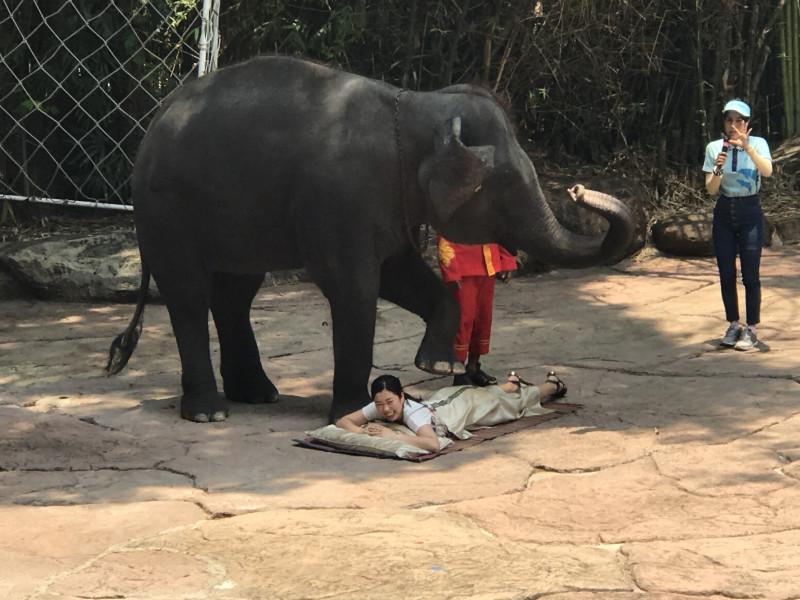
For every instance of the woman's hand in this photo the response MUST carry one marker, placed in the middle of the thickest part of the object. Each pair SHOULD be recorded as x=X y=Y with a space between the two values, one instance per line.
x=377 y=430
x=425 y=437
x=740 y=137
x=721 y=158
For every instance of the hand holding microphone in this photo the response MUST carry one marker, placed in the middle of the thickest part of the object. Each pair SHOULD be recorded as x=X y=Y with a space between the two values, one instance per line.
x=721 y=157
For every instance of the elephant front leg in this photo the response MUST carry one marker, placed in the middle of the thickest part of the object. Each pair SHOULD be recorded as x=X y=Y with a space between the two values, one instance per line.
x=408 y=282
x=353 y=310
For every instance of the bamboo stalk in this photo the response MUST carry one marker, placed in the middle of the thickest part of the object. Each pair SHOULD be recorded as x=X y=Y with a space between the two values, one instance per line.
x=452 y=51
x=487 y=55
x=794 y=64
x=790 y=98
x=739 y=43
x=786 y=82
x=749 y=54
x=506 y=53
x=421 y=63
x=698 y=48
x=764 y=49
x=408 y=59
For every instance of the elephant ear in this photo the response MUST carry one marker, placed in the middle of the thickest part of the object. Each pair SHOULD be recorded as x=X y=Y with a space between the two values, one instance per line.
x=455 y=171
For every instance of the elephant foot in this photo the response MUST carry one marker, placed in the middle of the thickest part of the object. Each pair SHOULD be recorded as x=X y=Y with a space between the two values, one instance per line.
x=448 y=366
x=250 y=390
x=204 y=407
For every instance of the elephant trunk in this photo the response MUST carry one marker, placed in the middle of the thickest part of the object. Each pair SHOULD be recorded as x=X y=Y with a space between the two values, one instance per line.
x=550 y=242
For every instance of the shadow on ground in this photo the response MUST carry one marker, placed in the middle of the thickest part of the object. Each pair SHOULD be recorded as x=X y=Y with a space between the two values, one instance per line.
x=637 y=343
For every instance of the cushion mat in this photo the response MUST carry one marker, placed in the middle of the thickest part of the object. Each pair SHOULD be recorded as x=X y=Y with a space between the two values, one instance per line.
x=478 y=435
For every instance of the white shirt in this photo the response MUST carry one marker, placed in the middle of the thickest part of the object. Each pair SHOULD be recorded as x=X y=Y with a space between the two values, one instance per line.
x=415 y=415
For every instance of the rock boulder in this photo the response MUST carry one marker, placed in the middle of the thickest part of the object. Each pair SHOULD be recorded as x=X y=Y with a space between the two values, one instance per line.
x=689 y=234
x=103 y=266
x=96 y=267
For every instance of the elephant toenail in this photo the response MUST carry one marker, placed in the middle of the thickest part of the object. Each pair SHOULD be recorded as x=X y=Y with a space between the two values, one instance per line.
x=441 y=366
x=220 y=415
x=201 y=418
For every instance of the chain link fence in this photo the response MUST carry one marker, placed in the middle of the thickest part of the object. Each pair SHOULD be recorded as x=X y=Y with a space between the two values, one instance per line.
x=79 y=82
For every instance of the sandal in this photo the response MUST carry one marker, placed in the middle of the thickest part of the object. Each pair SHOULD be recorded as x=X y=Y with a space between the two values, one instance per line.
x=561 y=387
x=513 y=377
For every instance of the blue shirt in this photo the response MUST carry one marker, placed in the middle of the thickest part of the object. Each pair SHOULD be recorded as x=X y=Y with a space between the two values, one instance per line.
x=739 y=175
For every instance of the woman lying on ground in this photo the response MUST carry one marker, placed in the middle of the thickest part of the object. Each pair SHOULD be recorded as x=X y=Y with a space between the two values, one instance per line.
x=492 y=405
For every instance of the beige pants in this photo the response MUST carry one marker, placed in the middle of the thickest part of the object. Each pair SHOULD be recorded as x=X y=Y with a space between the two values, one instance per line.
x=468 y=407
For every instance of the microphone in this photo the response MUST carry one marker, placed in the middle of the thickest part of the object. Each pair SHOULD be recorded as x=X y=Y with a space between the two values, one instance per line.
x=726 y=145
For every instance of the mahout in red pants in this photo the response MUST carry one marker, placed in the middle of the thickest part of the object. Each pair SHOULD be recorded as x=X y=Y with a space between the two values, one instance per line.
x=475 y=296
x=469 y=271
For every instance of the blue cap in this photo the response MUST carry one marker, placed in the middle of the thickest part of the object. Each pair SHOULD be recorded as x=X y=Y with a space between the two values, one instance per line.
x=739 y=106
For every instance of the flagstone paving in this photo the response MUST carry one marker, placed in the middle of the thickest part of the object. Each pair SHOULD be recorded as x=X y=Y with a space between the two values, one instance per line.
x=679 y=478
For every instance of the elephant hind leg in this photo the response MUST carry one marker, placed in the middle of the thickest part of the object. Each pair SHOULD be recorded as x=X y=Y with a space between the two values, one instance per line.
x=186 y=292
x=243 y=377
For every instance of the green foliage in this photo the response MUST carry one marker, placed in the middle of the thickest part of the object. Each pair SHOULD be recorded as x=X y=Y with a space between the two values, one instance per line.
x=590 y=79
x=78 y=87
x=585 y=78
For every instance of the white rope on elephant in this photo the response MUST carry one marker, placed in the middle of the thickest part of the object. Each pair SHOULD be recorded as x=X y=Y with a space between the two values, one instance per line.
x=78 y=89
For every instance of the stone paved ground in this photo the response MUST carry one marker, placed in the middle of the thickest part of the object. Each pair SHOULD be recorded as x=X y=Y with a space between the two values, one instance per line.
x=679 y=479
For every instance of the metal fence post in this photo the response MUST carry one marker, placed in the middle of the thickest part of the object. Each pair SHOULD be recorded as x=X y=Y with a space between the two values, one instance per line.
x=209 y=37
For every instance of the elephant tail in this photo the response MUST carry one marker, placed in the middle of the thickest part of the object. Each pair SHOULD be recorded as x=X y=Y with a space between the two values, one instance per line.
x=125 y=343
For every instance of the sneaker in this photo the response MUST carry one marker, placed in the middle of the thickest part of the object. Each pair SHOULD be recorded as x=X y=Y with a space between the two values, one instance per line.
x=732 y=335
x=748 y=340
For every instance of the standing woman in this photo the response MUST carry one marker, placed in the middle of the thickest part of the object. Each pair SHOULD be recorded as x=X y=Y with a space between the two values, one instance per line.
x=734 y=166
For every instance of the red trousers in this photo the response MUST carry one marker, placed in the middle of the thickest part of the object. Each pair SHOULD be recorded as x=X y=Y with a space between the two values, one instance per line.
x=475 y=295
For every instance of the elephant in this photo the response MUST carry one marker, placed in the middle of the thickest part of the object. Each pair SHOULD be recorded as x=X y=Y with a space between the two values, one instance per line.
x=279 y=163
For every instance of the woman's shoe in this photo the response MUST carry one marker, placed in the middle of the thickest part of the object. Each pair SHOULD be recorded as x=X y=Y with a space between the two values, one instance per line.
x=513 y=377
x=561 y=387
